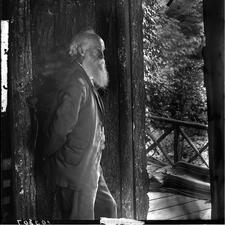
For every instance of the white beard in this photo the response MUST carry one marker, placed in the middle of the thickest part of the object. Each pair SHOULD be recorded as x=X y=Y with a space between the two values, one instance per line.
x=97 y=70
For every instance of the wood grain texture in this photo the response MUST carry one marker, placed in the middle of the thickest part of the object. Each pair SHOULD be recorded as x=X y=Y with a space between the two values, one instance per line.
x=214 y=80
x=125 y=109
x=167 y=206
x=106 y=28
x=54 y=23
x=21 y=77
x=51 y=24
x=138 y=110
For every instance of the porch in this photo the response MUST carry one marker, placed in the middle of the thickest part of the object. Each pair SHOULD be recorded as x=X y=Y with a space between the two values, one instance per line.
x=178 y=171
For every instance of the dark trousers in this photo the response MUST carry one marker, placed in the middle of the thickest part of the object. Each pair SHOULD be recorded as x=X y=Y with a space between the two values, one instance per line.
x=86 y=205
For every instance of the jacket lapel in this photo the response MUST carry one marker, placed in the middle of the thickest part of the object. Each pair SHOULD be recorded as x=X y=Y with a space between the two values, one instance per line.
x=100 y=102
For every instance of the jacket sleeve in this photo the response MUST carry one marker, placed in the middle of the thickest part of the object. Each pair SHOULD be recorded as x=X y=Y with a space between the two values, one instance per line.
x=65 y=116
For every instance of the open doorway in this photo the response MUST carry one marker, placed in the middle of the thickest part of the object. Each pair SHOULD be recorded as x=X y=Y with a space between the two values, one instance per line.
x=176 y=110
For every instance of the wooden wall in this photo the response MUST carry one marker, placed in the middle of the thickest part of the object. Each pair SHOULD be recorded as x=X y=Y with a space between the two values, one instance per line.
x=53 y=24
x=21 y=75
x=39 y=26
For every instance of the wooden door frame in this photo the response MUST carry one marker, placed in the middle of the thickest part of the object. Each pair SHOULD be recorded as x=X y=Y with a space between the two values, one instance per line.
x=133 y=176
x=214 y=79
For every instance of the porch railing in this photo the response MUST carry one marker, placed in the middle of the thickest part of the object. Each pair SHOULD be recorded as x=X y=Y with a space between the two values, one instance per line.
x=178 y=128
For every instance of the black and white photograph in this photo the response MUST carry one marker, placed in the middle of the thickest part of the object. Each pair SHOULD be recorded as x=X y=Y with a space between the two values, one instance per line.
x=112 y=112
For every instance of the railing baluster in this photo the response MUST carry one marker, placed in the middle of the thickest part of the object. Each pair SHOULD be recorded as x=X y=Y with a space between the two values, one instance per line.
x=192 y=145
x=176 y=126
x=160 y=139
x=177 y=155
x=200 y=151
x=162 y=150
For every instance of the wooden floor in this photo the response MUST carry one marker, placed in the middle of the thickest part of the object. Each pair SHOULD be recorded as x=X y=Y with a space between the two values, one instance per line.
x=168 y=206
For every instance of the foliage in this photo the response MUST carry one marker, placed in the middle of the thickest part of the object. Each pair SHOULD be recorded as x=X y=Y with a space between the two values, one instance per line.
x=173 y=41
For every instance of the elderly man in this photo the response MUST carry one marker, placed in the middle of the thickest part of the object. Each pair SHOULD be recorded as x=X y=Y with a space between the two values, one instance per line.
x=76 y=134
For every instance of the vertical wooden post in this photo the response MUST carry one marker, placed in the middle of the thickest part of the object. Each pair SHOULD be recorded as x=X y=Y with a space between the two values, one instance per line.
x=106 y=28
x=125 y=110
x=138 y=111
x=120 y=25
x=214 y=78
x=21 y=87
x=134 y=179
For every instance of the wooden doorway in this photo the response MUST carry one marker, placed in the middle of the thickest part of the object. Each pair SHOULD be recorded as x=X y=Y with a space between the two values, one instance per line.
x=39 y=26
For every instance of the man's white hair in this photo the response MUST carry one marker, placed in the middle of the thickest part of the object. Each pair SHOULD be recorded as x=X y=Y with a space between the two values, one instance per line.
x=82 y=39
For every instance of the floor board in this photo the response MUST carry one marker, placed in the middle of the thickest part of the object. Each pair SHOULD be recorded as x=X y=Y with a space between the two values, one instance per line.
x=158 y=195
x=167 y=206
x=172 y=200
x=203 y=215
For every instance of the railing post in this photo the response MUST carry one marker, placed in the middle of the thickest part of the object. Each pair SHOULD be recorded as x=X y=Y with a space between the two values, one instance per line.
x=177 y=154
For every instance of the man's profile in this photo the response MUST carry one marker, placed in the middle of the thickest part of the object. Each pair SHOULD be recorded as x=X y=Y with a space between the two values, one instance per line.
x=76 y=134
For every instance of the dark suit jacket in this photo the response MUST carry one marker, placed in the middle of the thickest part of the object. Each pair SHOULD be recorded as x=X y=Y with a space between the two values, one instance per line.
x=73 y=148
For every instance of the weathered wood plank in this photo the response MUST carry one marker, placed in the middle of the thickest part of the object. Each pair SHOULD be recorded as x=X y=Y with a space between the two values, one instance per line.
x=105 y=11
x=158 y=195
x=138 y=110
x=173 y=200
x=125 y=109
x=179 y=210
x=201 y=215
x=180 y=122
x=214 y=80
x=21 y=88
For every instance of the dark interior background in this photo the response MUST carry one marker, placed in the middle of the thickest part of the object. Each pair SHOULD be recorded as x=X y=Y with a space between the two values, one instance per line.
x=54 y=23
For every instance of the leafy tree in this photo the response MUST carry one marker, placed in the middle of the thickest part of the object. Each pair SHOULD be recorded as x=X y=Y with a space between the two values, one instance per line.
x=173 y=40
